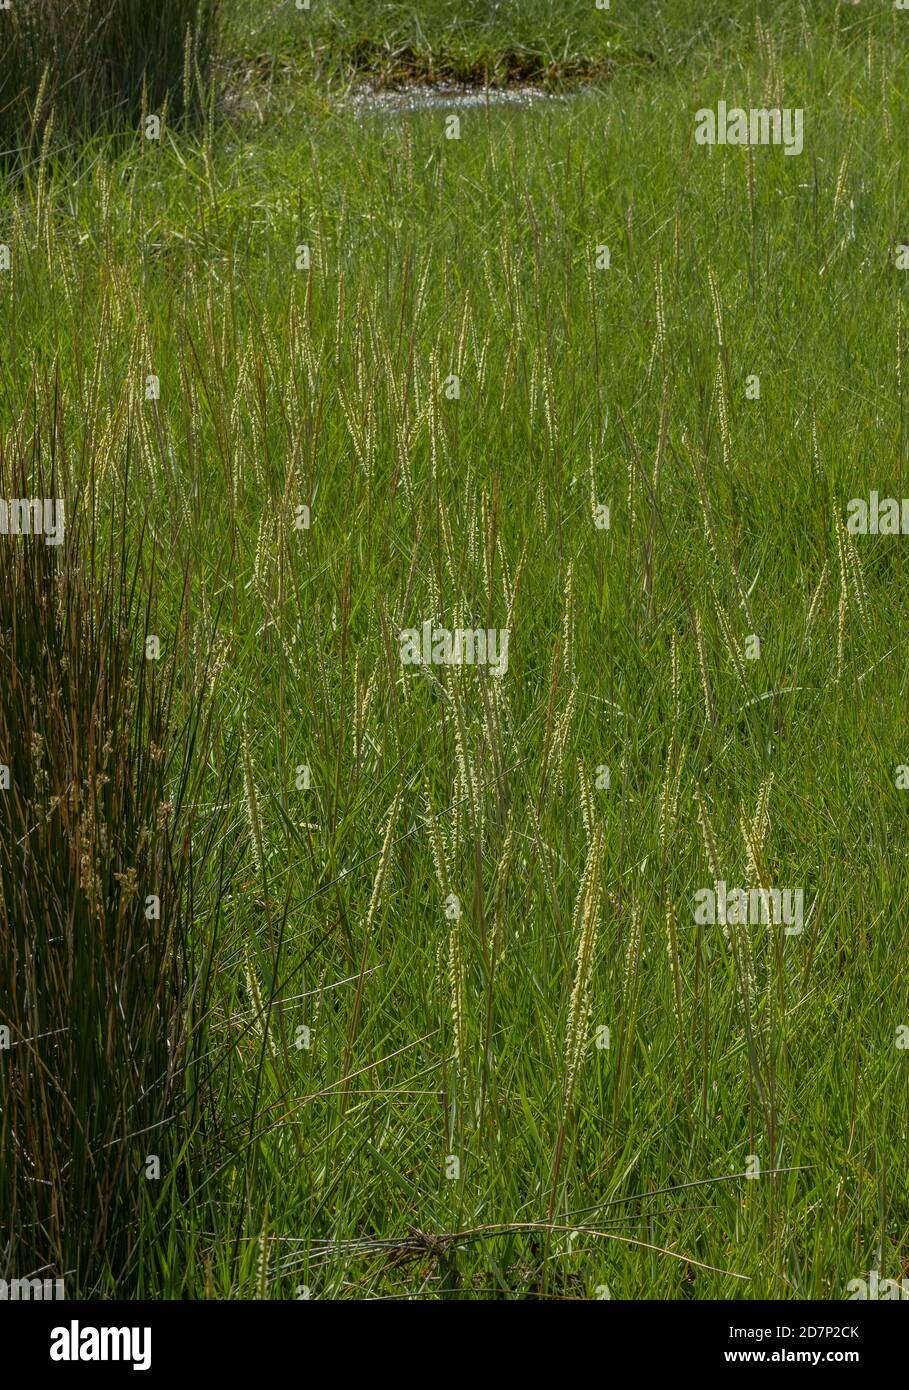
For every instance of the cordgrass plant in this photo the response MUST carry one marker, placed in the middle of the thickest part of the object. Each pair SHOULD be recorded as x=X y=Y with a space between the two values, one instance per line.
x=347 y=375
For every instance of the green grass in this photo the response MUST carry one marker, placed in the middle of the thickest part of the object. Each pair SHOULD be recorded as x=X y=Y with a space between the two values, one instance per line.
x=505 y=40
x=325 y=1166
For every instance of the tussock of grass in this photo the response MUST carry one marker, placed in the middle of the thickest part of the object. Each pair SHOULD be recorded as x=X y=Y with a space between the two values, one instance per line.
x=103 y=984
x=101 y=63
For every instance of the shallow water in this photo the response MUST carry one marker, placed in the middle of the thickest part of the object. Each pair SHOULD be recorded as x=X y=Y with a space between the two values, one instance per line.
x=445 y=96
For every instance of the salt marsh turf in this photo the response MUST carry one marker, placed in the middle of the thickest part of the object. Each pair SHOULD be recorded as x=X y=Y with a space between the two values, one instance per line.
x=462 y=1037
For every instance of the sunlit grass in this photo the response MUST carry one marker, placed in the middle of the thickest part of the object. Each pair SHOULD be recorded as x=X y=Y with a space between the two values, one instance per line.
x=434 y=1034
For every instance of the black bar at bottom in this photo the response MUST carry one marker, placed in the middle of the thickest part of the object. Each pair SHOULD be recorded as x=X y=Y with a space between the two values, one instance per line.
x=272 y=1338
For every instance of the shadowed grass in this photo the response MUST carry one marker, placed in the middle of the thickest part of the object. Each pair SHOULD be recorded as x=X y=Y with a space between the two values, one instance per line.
x=100 y=63
x=105 y=949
